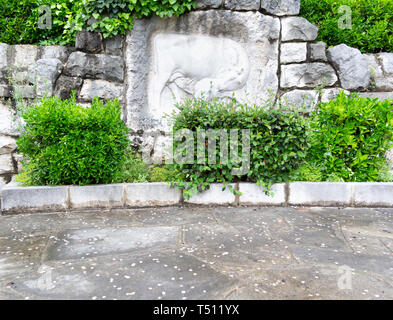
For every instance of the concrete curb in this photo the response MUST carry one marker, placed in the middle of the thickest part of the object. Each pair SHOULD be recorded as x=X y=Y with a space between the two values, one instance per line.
x=321 y=194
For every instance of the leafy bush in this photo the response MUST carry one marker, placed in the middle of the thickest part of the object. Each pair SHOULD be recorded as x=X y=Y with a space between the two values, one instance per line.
x=64 y=143
x=350 y=137
x=19 y=21
x=133 y=170
x=372 y=23
x=19 y=18
x=278 y=143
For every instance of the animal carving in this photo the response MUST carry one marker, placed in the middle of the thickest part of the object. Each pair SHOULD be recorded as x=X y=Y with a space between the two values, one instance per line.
x=196 y=65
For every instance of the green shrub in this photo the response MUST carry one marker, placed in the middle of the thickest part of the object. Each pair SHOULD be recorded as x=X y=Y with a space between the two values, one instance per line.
x=65 y=143
x=19 y=18
x=133 y=170
x=350 y=137
x=278 y=143
x=19 y=22
x=372 y=23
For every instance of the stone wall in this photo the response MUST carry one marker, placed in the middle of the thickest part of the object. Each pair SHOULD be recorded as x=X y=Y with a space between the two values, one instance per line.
x=254 y=48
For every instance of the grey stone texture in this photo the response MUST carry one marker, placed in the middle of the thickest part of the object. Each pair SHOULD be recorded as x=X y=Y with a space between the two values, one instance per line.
x=151 y=194
x=3 y=55
x=98 y=196
x=330 y=94
x=307 y=75
x=208 y=4
x=352 y=66
x=242 y=4
x=373 y=194
x=30 y=199
x=281 y=7
x=320 y=194
x=377 y=95
x=318 y=51
x=56 y=52
x=214 y=195
x=6 y=120
x=44 y=74
x=297 y=28
x=251 y=194
x=95 y=66
x=205 y=253
x=114 y=45
x=90 y=42
x=293 y=52
x=306 y=99
x=7 y=144
x=102 y=89
x=65 y=85
x=24 y=56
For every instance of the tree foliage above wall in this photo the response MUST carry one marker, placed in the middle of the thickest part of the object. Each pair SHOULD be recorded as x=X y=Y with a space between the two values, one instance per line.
x=19 y=18
x=372 y=23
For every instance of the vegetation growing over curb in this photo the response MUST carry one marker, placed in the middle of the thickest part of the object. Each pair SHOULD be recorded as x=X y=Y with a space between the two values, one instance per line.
x=372 y=23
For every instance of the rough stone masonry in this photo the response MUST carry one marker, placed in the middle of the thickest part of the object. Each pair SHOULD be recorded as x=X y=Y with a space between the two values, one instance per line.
x=258 y=49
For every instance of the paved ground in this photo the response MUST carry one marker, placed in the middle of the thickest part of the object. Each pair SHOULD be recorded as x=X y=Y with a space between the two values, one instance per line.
x=198 y=253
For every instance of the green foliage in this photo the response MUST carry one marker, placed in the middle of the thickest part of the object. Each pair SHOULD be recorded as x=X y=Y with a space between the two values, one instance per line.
x=278 y=143
x=133 y=170
x=19 y=21
x=19 y=18
x=372 y=23
x=162 y=174
x=308 y=172
x=350 y=137
x=64 y=143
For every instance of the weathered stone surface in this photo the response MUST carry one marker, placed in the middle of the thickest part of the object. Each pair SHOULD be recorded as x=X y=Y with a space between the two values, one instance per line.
x=378 y=79
x=26 y=199
x=377 y=95
x=208 y=4
x=3 y=55
x=56 y=52
x=65 y=85
x=307 y=75
x=255 y=195
x=352 y=67
x=7 y=144
x=215 y=195
x=297 y=28
x=151 y=194
x=242 y=4
x=6 y=165
x=24 y=55
x=24 y=91
x=44 y=74
x=281 y=7
x=6 y=120
x=320 y=193
x=387 y=61
x=102 y=89
x=240 y=55
x=307 y=99
x=114 y=45
x=104 y=196
x=5 y=90
x=90 y=42
x=373 y=194
x=318 y=51
x=330 y=94
x=293 y=52
x=97 y=66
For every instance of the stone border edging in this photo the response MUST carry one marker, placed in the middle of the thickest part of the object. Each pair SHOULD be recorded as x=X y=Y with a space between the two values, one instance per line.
x=321 y=194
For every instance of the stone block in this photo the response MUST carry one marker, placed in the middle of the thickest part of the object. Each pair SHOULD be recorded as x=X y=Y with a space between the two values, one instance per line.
x=31 y=199
x=255 y=195
x=151 y=194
